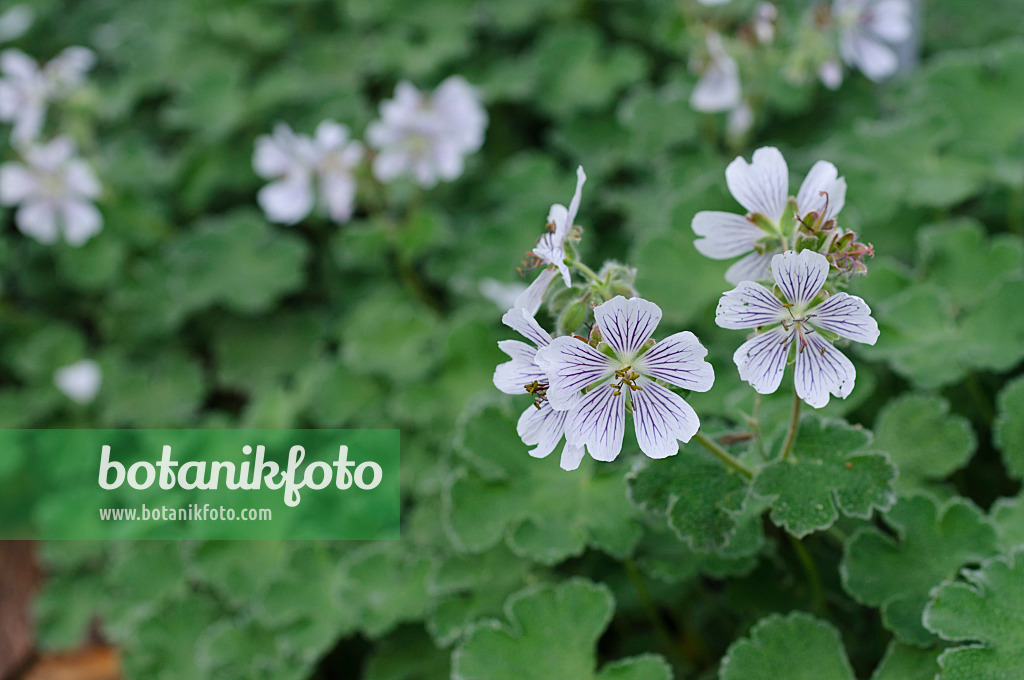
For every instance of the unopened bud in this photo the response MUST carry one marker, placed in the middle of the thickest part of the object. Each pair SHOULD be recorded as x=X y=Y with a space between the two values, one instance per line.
x=572 y=317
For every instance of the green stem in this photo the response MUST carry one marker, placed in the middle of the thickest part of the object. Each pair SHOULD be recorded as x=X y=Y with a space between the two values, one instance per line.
x=586 y=271
x=811 y=569
x=722 y=454
x=755 y=425
x=637 y=579
x=794 y=425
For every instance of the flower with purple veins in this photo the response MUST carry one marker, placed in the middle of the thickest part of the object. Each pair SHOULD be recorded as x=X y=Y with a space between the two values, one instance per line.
x=762 y=187
x=540 y=425
x=801 y=318
x=868 y=30
x=626 y=366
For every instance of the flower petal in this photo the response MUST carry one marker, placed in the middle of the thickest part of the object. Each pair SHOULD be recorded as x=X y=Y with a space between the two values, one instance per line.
x=38 y=219
x=541 y=427
x=627 y=324
x=522 y=322
x=572 y=456
x=574 y=204
x=661 y=418
x=725 y=234
x=762 y=359
x=679 y=360
x=597 y=422
x=512 y=377
x=82 y=221
x=822 y=369
x=531 y=298
x=753 y=267
x=891 y=20
x=848 y=316
x=80 y=381
x=800 y=275
x=749 y=305
x=338 y=190
x=16 y=183
x=287 y=201
x=822 y=179
x=761 y=186
x=876 y=60
x=571 y=365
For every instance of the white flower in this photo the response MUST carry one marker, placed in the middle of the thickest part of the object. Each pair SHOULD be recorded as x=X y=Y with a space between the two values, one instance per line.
x=540 y=424
x=765 y=16
x=80 y=381
x=297 y=162
x=15 y=22
x=741 y=119
x=867 y=31
x=26 y=89
x=54 y=190
x=762 y=187
x=550 y=249
x=503 y=294
x=831 y=74
x=628 y=370
x=719 y=86
x=797 y=321
x=427 y=137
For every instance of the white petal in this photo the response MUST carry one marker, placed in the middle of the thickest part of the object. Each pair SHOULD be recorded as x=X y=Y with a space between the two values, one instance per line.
x=598 y=422
x=762 y=359
x=541 y=427
x=550 y=246
x=574 y=204
x=501 y=293
x=512 y=377
x=725 y=234
x=519 y=320
x=848 y=316
x=571 y=365
x=749 y=305
x=876 y=60
x=627 y=324
x=16 y=183
x=719 y=88
x=389 y=164
x=661 y=418
x=822 y=369
x=572 y=456
x=274 y=155
x=330 y=135
x=288 y=200
x=38 y=219
x=80 y=381
x=831 y=74
x=801 y=275
x=753 y=267
x=15 y=63
x=338 y=191
x=823 y=177
x=15 y=21
x=531 y=298
x=82 y=221
x=761 y=186
x=678 y=360
x=81 y=180
x=890 y=20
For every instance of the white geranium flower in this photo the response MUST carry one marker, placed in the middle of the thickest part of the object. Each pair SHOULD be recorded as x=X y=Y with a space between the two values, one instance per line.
x=867 y=31
x=540 y=425
x=762 y=187
x=626 y=366
x=80 y=381
x=298 y=162
x=719 y=86
x=550 y=249
x=801 y=320
x=427 y=137
x=53 y=190
x=766 y=14
x=26 y=89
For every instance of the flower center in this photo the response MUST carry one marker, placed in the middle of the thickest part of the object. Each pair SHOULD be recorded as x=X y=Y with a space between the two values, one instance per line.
x=539 y=391
x=627 y=378
x=797 y=320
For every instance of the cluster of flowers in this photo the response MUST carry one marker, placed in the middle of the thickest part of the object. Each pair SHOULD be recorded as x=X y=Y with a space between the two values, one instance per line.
x=424 y=137
x=582 y=386
x=864 y=34
x=51 y=185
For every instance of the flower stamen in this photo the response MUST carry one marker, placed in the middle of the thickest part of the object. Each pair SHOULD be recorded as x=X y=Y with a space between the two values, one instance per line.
x=627 y=378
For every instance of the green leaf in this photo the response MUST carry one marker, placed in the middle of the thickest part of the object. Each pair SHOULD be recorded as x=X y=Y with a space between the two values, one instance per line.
x=550 y=635
x=381 y=585
x=932 y=542
x=541 y=511
x=408 y=654
x=923 y=439
x=388 y=334
x=987 y=610
x=829 y=472
x=795 y=647
x=1009 y=427
x=1007 y=515
x=907 y=662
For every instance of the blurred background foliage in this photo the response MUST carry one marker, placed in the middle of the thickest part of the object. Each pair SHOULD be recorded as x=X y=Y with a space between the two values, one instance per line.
x=201 y=314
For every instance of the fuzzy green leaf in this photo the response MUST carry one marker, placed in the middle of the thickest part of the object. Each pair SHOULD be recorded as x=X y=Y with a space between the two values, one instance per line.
x=1009 y=427
x=796 y=647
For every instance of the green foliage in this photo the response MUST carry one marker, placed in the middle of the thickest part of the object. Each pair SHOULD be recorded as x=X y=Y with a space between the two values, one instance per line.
x=797 y=646
x=985 y=610
x=932 y=542
x=1009 y=427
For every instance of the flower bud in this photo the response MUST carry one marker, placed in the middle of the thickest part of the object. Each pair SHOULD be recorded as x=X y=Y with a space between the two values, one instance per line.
x=572 y=317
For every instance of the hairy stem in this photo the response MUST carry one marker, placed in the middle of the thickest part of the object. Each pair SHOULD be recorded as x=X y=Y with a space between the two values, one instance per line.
x=794 y=425
x=637 y=579
x=811 y=569
x=723 y=455
x=586 y=271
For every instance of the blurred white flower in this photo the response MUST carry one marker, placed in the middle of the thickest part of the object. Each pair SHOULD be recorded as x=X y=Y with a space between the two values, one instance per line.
x=297 y=163
x=26 y=88
x=765 y=16
x=80 y=382
x=54 y=190
x=500 y=293
x=831 y=74
x=427 y=137
x=741 y=119
x=15 y=22
x=712 y=3
x=719 y=86
x=868 y=30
